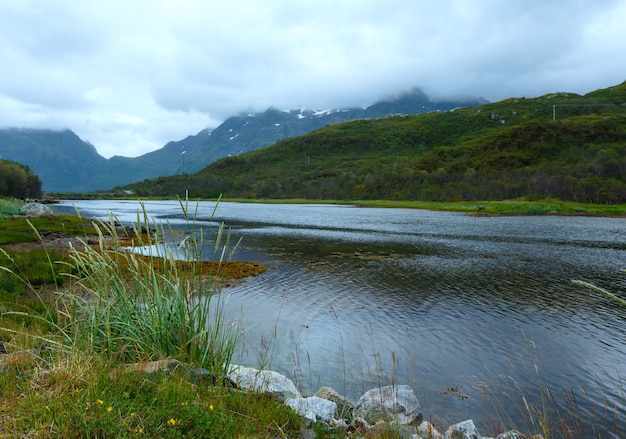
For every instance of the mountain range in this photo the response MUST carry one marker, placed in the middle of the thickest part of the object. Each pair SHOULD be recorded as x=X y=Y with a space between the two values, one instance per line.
x=560 y=145
x=65 y=163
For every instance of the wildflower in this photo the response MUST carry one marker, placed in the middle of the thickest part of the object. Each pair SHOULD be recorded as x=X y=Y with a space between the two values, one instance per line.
x=48 y=407
x=99 y=401
x=133 y=414
x=185 y=403
x=109 y=409
x=211 y=407
x=172 y=421
x=139 y=430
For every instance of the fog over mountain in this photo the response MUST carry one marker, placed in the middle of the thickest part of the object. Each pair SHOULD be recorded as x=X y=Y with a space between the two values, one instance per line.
x=65 y=163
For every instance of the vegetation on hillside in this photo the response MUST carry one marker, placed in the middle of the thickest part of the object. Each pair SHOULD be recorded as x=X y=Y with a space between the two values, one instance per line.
x=18 y=181
x=556 y=146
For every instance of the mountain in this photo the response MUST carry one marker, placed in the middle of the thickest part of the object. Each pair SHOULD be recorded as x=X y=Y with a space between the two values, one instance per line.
x=65 y=163
x=560 y=145
x=58 y=157
x=243 y=133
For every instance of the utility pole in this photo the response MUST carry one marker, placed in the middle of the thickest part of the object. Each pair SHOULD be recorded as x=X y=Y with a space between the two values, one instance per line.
x=183 y=154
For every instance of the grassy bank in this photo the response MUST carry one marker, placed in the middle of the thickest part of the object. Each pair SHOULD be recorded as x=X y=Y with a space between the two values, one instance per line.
x=508 y=207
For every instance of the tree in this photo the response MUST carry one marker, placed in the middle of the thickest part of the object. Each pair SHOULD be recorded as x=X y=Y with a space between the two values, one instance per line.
x=18 y=181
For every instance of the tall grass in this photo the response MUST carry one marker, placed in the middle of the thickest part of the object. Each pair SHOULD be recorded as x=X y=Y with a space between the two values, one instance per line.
x=617 y=300
x=134 y=307
x=10 y=206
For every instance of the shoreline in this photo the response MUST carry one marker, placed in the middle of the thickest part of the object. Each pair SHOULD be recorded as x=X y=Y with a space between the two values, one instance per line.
x=516 y=207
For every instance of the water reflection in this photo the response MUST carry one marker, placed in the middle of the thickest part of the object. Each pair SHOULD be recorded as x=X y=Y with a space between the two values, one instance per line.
x=462 y=308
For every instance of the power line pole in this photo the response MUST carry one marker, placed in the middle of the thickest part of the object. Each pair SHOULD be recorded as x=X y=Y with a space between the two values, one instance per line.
x=183 y=154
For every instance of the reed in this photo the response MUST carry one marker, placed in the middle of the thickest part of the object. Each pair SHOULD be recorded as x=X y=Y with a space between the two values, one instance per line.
x=10 y=206
x=137 y=308
x=617 y=300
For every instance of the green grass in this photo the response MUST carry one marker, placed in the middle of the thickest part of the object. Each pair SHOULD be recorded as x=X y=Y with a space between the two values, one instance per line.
x=23 y=273
x=10 y=206
x=84 y=396
x=34 y=266
x=20 y=230
x=507 y=207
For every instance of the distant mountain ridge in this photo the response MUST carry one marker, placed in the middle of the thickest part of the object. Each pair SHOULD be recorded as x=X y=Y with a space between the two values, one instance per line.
x=58 y=157
x=65 y=163
x=557 y=146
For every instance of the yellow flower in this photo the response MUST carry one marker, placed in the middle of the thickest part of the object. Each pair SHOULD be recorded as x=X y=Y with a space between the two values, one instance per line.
x=99 y=401
x=185 y=403
x=172 y=421
x=133 y=414
x=139 y=430
x=211 y=407
x=109 y=409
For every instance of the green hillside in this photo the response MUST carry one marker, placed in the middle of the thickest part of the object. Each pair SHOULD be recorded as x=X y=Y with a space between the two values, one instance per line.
x=559 y=145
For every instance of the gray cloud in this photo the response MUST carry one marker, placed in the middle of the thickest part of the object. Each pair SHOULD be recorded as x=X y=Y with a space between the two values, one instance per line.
x=130 y=76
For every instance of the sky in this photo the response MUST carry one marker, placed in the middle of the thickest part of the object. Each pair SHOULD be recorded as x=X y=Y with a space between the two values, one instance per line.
x=128 y=76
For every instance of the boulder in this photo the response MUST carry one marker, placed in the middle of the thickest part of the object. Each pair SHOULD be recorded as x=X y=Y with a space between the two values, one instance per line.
x=513 y=434
x=462 y=430
x=390 y=403
x=263 y=381
x=426 y=429
x=36 y=210
x=344 y=405
x=313 y=408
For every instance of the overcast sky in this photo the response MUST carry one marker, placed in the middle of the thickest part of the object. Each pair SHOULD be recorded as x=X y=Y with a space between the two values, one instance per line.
x=131 y=75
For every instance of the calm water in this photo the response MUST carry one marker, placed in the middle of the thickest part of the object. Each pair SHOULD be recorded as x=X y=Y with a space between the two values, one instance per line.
x=472 y=312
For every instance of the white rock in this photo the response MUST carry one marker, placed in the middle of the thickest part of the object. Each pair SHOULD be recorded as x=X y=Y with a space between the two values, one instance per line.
x=36 y=209
x=263 y=381
x=512 y=434
x=462 y=430
x=390 y=403
x=313 y=408
x=426 y=429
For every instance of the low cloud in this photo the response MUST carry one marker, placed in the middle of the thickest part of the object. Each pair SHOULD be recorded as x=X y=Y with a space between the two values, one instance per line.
x=129 y=77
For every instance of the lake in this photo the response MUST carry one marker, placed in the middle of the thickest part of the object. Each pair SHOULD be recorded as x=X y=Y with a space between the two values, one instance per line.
x=478 y=314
